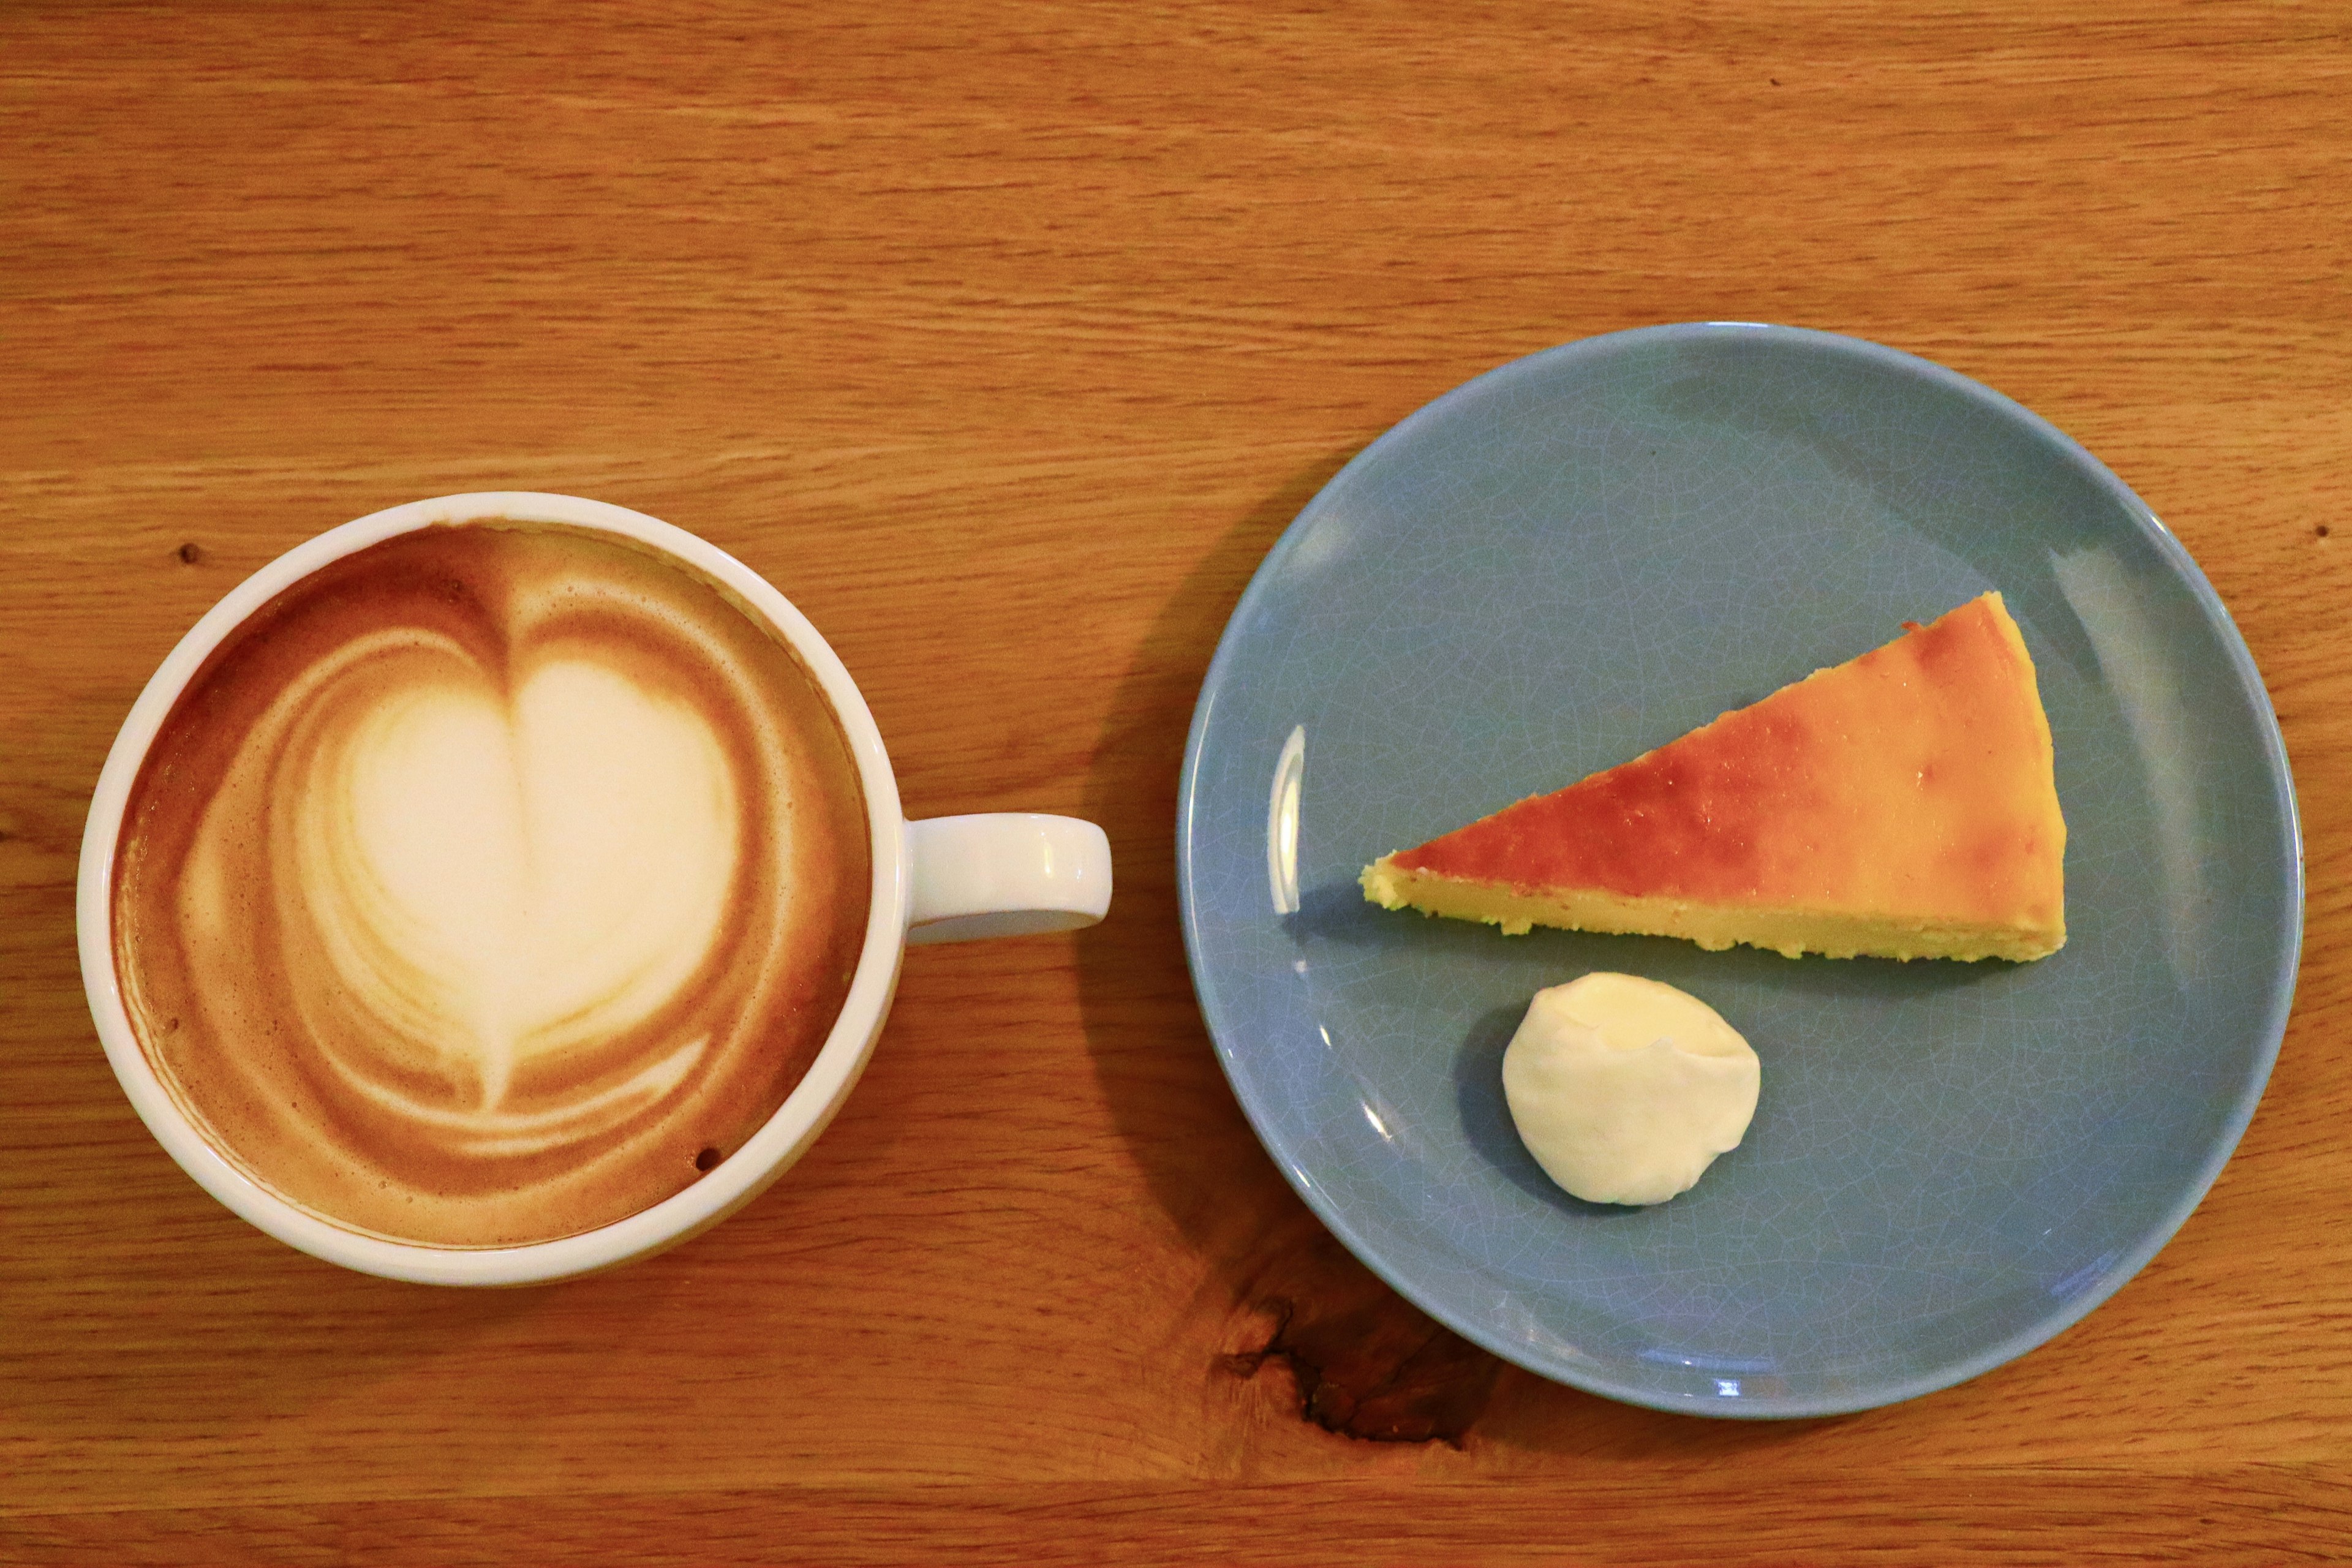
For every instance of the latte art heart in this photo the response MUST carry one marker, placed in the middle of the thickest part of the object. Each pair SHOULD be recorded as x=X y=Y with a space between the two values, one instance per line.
x=512 y=883
x=491 y=885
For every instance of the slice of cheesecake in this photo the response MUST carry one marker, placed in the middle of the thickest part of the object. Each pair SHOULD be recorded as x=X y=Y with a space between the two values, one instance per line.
x=1901 y=804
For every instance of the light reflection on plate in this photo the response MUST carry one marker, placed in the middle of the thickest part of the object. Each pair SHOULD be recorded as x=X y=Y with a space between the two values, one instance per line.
x=1282 y=822
x=1592 y=550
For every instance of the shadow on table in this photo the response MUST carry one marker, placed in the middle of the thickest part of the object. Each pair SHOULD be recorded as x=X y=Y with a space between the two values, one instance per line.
x=1368 y=1363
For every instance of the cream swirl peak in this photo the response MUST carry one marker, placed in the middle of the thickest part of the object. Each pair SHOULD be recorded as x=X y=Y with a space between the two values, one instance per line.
x=489 y=884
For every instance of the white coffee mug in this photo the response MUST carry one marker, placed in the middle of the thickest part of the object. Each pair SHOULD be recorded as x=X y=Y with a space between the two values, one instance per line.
x=944 y=879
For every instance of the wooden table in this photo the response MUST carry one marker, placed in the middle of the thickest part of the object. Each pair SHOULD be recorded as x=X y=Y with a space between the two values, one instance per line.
x=1007 y=338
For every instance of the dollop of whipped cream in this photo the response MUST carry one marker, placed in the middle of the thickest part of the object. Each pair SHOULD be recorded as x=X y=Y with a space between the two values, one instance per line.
x=1625 y=1090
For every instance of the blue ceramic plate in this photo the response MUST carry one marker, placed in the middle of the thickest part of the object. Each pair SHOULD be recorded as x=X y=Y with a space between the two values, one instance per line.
x=1586 y=554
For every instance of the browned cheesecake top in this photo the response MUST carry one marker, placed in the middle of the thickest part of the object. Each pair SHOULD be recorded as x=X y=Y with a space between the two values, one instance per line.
x=1914 y=781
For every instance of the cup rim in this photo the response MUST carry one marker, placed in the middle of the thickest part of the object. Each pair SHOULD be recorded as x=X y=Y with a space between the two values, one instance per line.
x=779 y=1142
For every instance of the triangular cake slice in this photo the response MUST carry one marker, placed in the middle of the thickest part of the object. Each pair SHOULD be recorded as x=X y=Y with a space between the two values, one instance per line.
x=1901 y=804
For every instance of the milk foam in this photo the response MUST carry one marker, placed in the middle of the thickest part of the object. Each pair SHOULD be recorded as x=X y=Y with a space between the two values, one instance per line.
x=472 y=905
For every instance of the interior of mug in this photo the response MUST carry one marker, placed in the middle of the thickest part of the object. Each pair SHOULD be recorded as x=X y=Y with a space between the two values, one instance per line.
x=765 y=1155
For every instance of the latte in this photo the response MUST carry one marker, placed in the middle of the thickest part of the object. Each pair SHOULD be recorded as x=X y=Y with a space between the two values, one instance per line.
x=490 y=884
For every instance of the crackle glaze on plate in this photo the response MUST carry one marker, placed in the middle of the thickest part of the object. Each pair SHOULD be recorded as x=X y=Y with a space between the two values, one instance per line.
x=1584 y=554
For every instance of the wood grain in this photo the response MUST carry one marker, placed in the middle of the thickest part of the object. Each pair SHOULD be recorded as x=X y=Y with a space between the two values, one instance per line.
x=1006 y=340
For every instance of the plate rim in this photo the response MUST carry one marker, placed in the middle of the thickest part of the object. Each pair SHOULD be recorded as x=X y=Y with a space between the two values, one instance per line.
x=2279 y=1002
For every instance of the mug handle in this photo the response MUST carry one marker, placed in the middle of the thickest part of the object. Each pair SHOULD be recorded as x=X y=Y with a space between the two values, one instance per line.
x=1005 y=874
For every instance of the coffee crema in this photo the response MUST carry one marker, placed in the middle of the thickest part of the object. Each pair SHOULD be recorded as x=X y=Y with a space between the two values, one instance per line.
x=490 y=884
